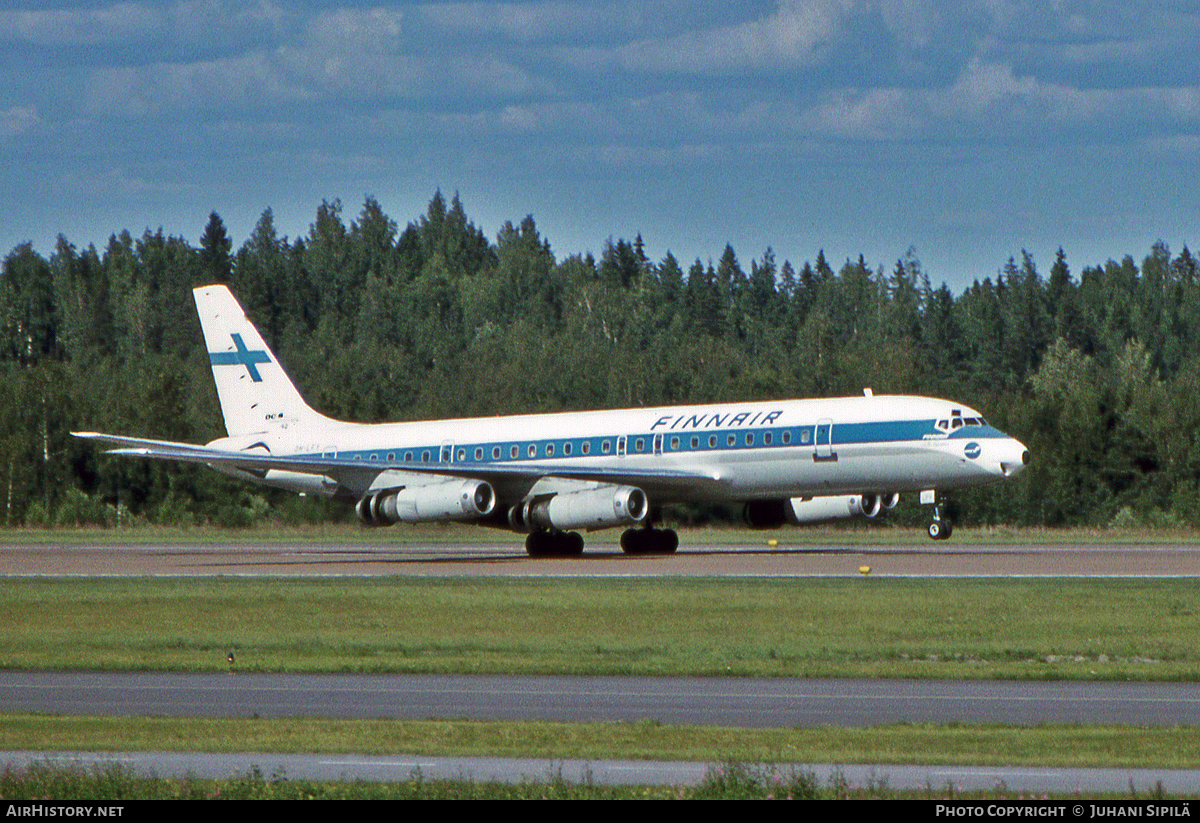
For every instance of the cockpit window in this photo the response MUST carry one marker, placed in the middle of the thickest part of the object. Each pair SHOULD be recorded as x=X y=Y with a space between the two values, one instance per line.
x=943 y=424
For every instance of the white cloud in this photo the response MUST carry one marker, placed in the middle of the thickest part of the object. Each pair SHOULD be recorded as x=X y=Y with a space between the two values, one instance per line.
x=119 y=23
x=230 y=83
x=533 y=22
x=188 y=21
x=372 y=30
x=17 y=120
x=993 y=93
x=798 y=33
x=871 y=115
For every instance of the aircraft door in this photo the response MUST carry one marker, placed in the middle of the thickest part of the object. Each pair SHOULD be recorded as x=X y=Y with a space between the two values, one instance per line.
x=824 y=441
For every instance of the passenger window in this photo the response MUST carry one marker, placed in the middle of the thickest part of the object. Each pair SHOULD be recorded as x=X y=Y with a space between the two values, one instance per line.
x=514 y=451
x=532 y=450
x=587 y=447
x=496 y=453
x=767 y=439
x=712 y=441
x=549 y=449
x=479 y=453
x=695 y=442
x=606 y=447
x=639 y=445
x=731 y=440
x=566 y=449
x=786 y=437
x=805 y=436
x=674 y=443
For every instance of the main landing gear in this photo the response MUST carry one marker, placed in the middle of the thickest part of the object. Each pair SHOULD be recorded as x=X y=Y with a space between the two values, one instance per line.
x=554 y=544
x=649 y=541
x=570 y=544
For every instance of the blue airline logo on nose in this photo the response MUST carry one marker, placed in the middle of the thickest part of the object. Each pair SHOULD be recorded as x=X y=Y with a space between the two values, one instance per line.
x=241 y=357
x=972 y=450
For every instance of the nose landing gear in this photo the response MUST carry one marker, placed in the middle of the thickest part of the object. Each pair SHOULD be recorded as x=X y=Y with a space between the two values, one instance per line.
x=941 y=526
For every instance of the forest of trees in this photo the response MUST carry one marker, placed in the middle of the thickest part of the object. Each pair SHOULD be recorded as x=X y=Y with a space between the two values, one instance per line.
x=1098 y=374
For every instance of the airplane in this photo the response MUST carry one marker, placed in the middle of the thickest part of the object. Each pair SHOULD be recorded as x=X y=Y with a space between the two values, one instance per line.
x=550 y=475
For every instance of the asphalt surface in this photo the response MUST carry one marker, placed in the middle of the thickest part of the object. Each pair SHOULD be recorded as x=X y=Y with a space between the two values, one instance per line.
x=1007 y=781
x=738 y=702
x=602 y=558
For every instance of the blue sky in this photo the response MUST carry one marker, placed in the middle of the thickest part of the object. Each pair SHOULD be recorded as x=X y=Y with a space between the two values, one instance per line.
x=967 y=130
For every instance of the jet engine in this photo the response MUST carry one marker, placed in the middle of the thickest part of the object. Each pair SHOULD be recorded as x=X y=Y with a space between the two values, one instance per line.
x=839 y=506
x=451 y=500
x=592 y=509
x=771 y=514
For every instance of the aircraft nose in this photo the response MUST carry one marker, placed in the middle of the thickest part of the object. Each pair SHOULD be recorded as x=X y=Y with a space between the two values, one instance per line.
x=1014 y=458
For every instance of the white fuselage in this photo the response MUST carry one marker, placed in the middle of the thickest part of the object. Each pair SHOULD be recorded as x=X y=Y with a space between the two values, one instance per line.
x=755 y=450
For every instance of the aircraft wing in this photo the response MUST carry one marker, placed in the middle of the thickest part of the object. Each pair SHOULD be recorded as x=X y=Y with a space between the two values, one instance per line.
x=659 y=481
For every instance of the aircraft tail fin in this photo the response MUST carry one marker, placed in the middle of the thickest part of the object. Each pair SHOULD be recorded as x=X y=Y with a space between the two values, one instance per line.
x=256 y=394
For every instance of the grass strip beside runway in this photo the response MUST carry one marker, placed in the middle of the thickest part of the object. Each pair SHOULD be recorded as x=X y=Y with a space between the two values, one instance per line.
x=1005 y=629
x=1060 y=745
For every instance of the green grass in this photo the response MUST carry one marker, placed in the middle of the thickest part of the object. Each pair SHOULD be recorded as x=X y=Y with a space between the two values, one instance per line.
x=856 y=627
x=726 y=781
x=1043 y=629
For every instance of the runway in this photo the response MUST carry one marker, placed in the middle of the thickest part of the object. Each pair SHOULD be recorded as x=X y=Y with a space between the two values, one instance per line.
x=705 y=701
x=602 y=559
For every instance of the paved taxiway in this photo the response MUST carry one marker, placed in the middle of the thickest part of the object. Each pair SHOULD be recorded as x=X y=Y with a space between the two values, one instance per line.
x=384 y=768
x=716 y=701
x=669 y=700
x=601 y=559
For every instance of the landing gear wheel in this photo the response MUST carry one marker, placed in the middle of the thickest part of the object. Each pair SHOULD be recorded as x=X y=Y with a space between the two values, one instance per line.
x=632 y=541
x=538 y=544
x=940 y=529
x=649 y=541
x=554 y=544
x=670 y=541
